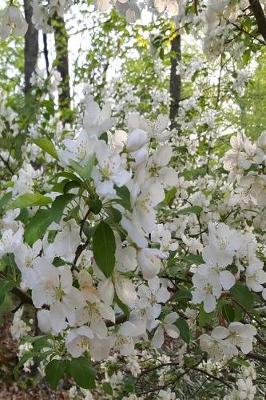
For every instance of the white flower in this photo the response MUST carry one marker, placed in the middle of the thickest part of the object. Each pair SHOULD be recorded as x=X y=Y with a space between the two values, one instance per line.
x=149 y=261
x=80 y=149
x=134 y=327
x=96 y=121
x=77 y=340
x=8 y=220
x=170 y=6
x=166 y=395
x=100 y=348
x=207 y=288
x=124 y=344
x=126 y=257
x=13 y=21
x=150 y=298
x=19 y=328
x=166 y=326
x=54 y=288
x=162 y=236
x=227 y=341
x=223 y=245
x=255 y=275
x=242 y=336
x=65 y=243
x=94 y=312
x=143 y=212
x=23 y=182
x=246 y=389
x=135 y=232
x=110 y=171
x=26 y=258
x=136 y=139
x=129 y=10
x=10 y=241
x=102 y=5
x=133 y=366
x=119 y=284
x=215 y=347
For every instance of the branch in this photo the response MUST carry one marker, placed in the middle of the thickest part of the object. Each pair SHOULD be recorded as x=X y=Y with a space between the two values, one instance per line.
x=6 y=163
x=212 y=376
x=259 y=16
x=255 y=356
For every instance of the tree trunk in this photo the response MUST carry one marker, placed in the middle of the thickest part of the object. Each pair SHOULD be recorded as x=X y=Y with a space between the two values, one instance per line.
x=31 y=47
x=259 y=16
x=61 y=63
x=175 y=79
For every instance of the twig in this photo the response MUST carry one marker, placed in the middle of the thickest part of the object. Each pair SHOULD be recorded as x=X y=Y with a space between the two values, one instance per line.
x=6 y=163
x=212 y=376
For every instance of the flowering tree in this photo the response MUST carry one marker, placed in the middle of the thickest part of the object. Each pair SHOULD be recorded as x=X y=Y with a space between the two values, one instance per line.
x=132 y=242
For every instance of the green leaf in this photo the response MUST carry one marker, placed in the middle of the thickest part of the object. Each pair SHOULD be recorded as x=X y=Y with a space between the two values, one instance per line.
x=68 y=175
x=71 y=185
x=30 y=200
x=40 y=222
x=104 y=248
x=82 y=372
x=228 y=312
x=170 y=196
x=124 y=195
x=95 y=205
x=59 y=205
x=204 y=318
x=184 y=329
x=114 y=214
x=40 y=343
x=26 y=356
x=190 y=210
x=107 y=388
x=193 y=259
x=122 y=306
x=5 y=199
x=47 y=146
x=242 y=295
x=37 y=226
x=55 y=371
x=183 y=294
x=83 y=171
x=5 y=287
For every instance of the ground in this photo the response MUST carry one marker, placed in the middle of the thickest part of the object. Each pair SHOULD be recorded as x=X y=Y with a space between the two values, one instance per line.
x=11 y=390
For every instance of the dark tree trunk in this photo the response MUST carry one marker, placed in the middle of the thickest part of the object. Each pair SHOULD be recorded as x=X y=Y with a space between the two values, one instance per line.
x=260 y=17
x=31 y=47
x=175 y=79
x=61 y=63
x=45 y=52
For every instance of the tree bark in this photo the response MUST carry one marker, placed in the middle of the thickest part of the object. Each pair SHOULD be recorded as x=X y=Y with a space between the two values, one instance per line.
x=61 y=63
x=45 y=52
x=259 y=15
x=31 y=48
x=175 y=79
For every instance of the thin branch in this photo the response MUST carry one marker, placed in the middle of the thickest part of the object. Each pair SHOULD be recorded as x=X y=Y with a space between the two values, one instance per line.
x=6 y=163
x=212 y=376
x=255 y=356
